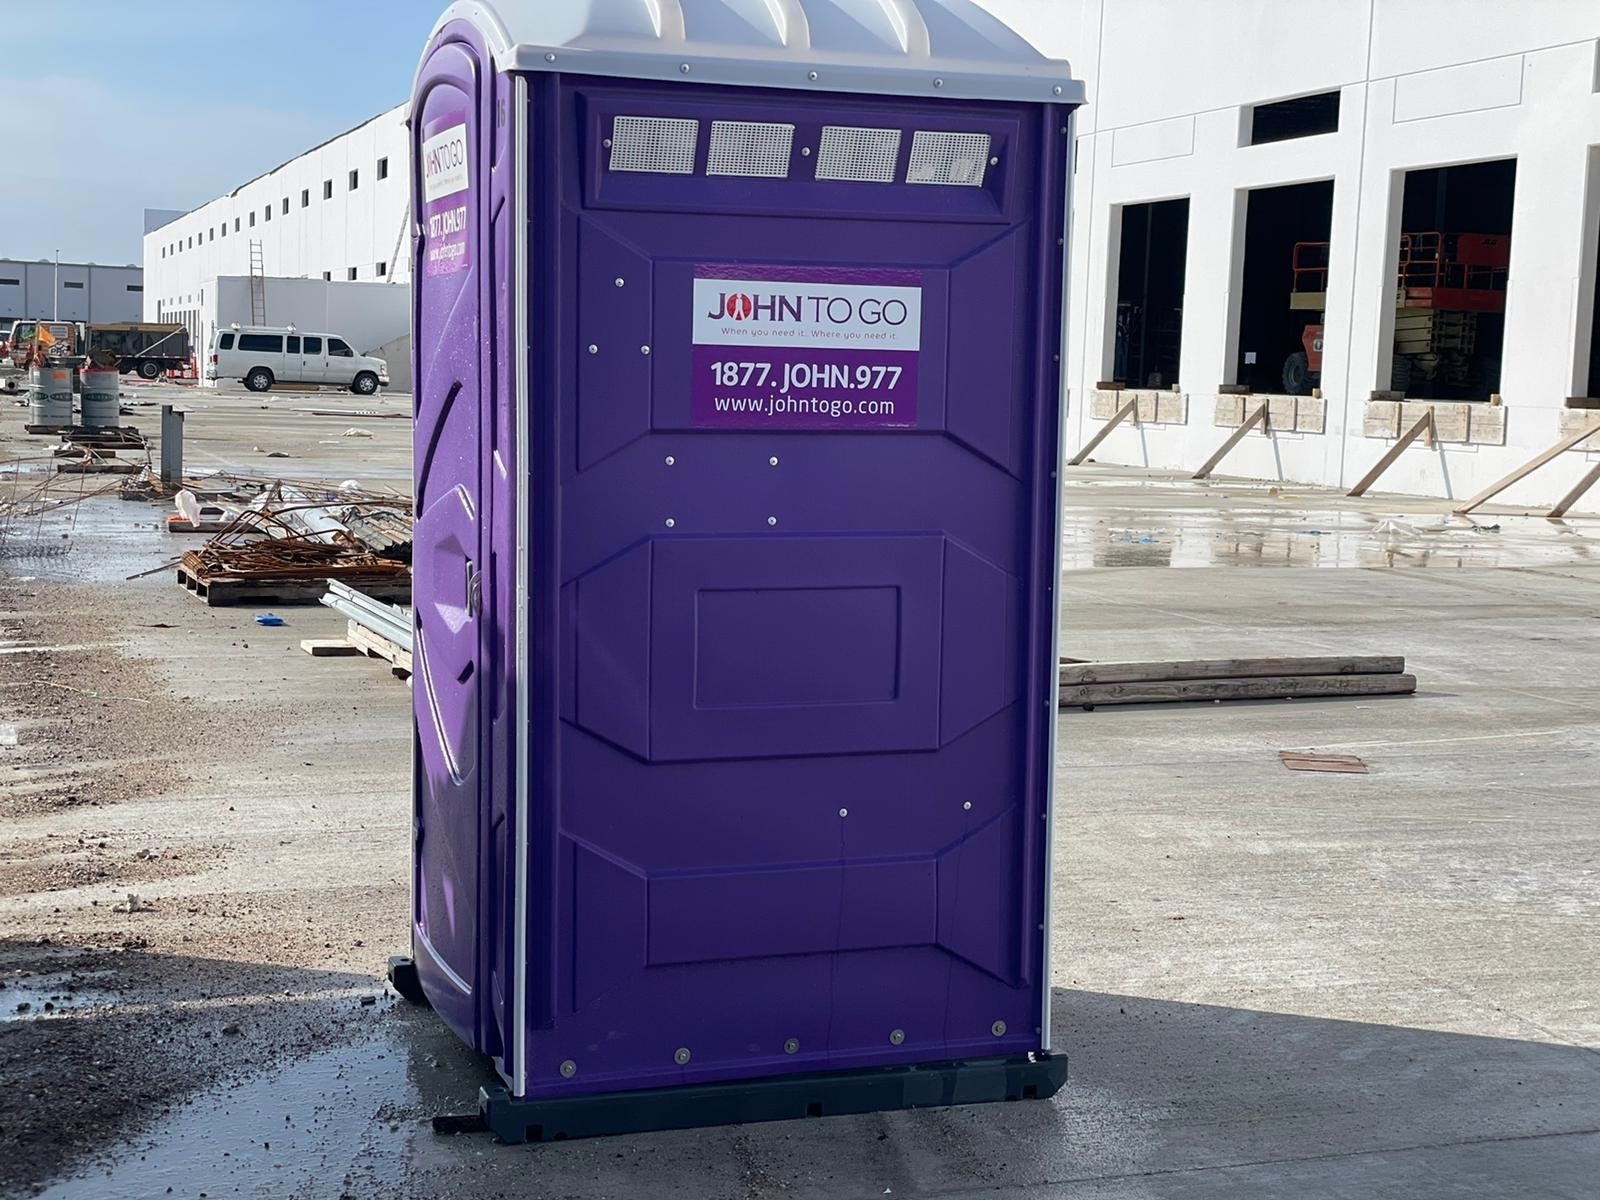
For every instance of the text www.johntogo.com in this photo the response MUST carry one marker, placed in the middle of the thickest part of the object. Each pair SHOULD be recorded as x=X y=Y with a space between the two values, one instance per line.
x=813 y=406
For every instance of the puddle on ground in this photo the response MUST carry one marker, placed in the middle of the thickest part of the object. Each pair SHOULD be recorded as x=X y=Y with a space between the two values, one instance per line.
x=37 y=997
x=300 y=1130
x=1254 y=535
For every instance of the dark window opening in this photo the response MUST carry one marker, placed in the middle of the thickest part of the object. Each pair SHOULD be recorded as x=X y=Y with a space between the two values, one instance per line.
x=327 y=189
x=338 y=349
x=75 y=284
x=136 y=287
x=327 y=275
x=225 y=342
x=261 y=343
x=10 y=282
x=305 y=197
x=1150 y=270
x=383 y=268
x=1284 y=288
x=350 y=273
x=313 y=345
x=236 y=224
x=1450 y=281
x=286 y=206
x=1301 y=116
x=267 y=213
x=252 y=218
x=355 y=180
x=383 y=168
x=294 y=344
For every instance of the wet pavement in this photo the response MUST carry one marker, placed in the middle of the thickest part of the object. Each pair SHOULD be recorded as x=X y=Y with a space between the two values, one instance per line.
x=1267 y=984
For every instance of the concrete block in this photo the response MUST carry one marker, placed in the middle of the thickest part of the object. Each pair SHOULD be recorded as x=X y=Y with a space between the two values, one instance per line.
x=1382 y=419
x=1412 y=411
x=1574 y=419
x=1172 y=408
x=1229 y=412
x=1311 y=415
x=1103 y=405
x=1280 y=411
x=1147 y=407
x=1450 y=422
x=1486 y=424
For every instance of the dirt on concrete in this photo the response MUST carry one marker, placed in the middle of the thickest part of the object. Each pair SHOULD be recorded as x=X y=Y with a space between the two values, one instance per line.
x=160 y=931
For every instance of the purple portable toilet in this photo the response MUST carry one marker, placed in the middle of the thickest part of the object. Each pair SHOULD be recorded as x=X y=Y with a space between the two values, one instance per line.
x=737 y=431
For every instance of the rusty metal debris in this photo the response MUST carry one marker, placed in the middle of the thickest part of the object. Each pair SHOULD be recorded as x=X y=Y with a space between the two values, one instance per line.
x=292 y=540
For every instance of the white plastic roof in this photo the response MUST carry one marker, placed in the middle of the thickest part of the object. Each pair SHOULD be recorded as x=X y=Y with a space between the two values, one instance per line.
x=901 y=47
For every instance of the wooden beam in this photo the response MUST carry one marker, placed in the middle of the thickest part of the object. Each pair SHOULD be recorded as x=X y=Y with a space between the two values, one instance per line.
x=1576 y=494
x=1258 y=417
x=1159 y=691
x=1073 y=674
x=1130 y=408
x=1527 y=468
x=1424 y=425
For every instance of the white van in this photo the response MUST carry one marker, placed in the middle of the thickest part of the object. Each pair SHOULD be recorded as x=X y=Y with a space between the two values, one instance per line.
x=262 y=356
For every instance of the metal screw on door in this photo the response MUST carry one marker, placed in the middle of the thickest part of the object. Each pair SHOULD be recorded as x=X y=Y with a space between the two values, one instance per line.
x=682 y=1056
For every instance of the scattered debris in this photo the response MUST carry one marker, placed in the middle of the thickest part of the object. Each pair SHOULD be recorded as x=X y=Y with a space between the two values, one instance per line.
x=375 y=629
x=357 y=433
x=1339 y=764
x=269 y=619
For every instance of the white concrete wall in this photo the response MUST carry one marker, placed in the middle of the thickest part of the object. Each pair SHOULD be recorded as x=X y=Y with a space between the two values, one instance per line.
x=362 y=229
x=1422 y=83
x=88 y=292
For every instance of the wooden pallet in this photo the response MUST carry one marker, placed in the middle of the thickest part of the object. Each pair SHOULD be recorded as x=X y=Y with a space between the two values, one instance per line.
x=375 y=645
x=219 y=593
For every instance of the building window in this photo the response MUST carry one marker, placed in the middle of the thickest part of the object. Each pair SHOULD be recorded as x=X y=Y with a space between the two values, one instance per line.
x=1301 y=116
x=327 y=275
x=252 y=218
x=327 y=189
x=305 y=197
x=163 y=252
x=10 y=283
x=351 y=273
x=211 y=236
x=266 y=213
x=191 y=243
x=76 y=284
x=355 y=180
x=383 y=168
x=224 y=228
x=383 y=269
x=286 y=206
x=136 y=287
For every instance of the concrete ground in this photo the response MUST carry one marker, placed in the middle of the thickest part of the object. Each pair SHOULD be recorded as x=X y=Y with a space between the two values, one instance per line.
x=1268 y=984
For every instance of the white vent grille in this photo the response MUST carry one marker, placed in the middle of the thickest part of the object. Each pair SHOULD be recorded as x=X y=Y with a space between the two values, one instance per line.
x=661 y=144
x=957 y=159
x=750 y=148
x=847 y=152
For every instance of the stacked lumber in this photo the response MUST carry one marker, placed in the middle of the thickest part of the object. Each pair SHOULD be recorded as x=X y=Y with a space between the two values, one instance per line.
x=1089 y=684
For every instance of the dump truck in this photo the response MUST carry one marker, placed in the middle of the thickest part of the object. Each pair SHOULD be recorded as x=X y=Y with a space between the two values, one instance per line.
x=131 y=347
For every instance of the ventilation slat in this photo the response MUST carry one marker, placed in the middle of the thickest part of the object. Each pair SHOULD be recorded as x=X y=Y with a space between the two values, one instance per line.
x=663 y=145
x=952 y=159
x=750 y=148
x=850 y=152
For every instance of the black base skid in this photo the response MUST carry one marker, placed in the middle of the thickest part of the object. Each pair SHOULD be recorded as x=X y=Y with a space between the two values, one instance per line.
x=780 y=1098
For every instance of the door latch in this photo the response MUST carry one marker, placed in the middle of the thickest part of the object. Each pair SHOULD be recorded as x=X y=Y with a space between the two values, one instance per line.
x=474 y=589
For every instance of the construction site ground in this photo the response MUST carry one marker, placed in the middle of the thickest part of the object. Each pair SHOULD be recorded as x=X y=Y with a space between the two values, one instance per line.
x=1268 y=983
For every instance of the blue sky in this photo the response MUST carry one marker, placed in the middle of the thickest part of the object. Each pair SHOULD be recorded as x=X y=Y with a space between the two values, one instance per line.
x=115 y=106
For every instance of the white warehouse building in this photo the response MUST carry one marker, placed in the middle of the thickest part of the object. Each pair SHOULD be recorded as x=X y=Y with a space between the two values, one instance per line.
x=328 y=235
x=1405 y=190
x=1410 y=187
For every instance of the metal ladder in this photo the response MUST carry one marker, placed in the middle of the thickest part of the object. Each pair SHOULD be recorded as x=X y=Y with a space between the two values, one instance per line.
x=258 y=286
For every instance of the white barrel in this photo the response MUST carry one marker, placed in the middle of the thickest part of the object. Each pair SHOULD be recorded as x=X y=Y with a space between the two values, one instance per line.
x=50 y=393
x=99 y=398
